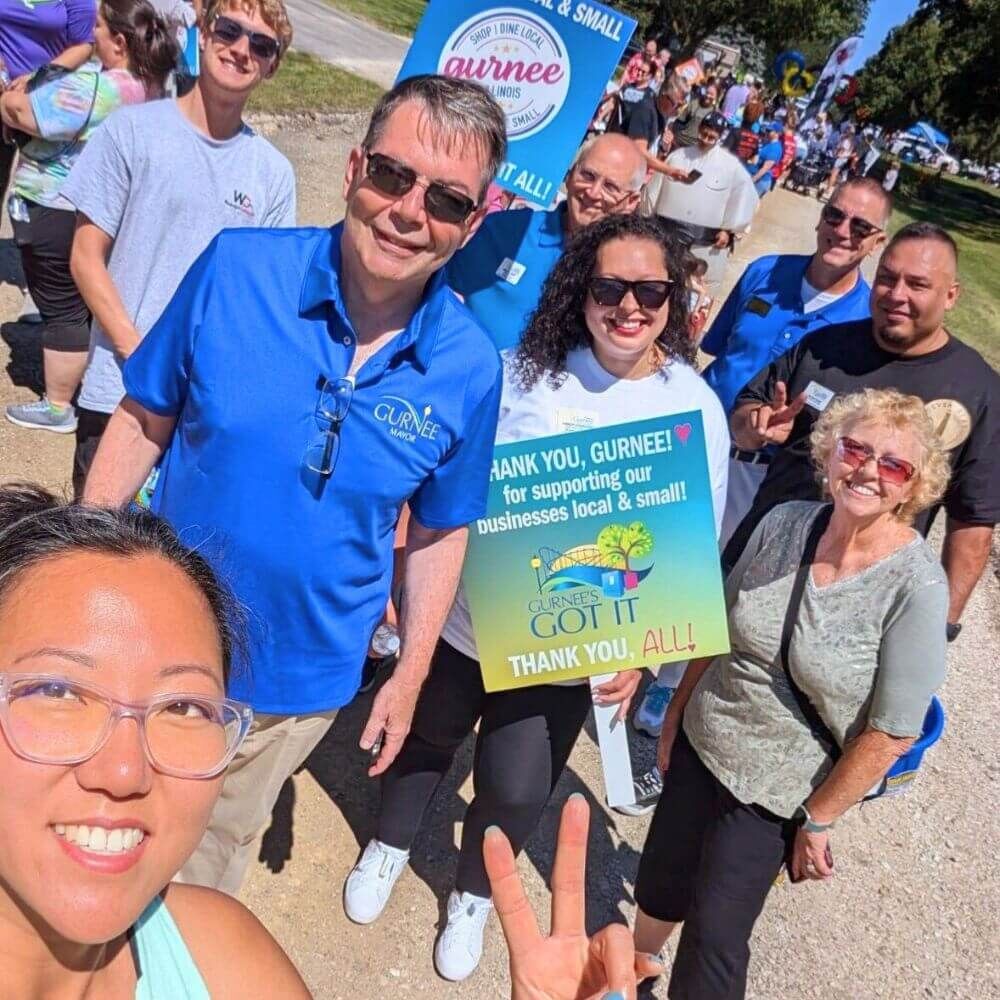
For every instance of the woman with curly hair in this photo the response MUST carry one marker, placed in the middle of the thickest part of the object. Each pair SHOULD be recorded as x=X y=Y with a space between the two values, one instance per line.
x=608 y=344
x=837 y=617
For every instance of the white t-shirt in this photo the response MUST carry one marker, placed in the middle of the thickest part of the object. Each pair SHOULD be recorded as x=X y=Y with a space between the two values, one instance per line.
x=592 y=397
x=813 y=298
x=723 y=197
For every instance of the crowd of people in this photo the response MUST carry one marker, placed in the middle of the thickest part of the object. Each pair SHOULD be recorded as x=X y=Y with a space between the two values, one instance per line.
x=204 y=646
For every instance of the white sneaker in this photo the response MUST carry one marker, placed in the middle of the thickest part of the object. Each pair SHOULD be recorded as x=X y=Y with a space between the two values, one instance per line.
x=460 y=947
x=370 y=883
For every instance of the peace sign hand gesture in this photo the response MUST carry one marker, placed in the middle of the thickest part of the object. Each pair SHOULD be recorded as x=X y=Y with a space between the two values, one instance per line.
x=566 y=965
x=772 y=422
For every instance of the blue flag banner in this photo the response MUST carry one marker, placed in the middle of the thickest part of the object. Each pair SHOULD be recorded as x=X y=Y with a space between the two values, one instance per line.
x=545 y=61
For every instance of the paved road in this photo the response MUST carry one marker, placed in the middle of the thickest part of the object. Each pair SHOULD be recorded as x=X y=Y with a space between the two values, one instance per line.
x=346 y=42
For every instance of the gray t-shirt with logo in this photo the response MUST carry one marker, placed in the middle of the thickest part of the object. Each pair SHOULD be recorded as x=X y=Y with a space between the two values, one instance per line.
x=163 y=191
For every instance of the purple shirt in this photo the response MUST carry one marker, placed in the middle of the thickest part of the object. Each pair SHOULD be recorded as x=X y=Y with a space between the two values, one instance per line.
x=34 y=32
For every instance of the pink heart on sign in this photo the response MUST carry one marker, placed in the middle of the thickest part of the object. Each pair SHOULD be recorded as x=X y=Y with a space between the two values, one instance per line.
x=683 y=432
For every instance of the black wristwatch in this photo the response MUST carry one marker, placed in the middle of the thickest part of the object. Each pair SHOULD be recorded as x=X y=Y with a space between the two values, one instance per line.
x=952 y=629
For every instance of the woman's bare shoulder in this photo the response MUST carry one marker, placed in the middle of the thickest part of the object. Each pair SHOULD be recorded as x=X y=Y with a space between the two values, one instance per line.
x=235 y=954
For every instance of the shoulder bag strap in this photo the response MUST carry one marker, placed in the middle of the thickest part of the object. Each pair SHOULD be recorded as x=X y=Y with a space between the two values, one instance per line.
x=819 y=728
x=67 y=146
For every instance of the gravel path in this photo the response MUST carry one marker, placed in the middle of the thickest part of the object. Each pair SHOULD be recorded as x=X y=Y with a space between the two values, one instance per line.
x=911 y=912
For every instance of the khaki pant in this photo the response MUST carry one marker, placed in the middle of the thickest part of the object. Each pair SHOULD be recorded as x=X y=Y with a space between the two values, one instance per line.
x=275 y=748
x=744 y=482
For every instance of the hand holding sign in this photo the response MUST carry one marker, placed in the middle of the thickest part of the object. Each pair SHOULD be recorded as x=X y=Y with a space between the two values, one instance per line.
x=772 y=422
x=618 y=691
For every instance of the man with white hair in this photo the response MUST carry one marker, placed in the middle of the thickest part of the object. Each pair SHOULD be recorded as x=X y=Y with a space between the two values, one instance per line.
x=501 y=271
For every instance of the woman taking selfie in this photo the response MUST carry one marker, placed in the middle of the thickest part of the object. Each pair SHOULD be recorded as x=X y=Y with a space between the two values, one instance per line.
x=55 y=119
x=608 y=344
x=837 y=619
x=115 y=736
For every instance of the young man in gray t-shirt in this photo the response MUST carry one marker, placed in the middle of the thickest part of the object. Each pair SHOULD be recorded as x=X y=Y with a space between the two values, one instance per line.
x=153 y=189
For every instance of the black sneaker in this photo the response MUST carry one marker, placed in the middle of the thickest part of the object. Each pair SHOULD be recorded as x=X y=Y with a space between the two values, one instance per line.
x=647 y=790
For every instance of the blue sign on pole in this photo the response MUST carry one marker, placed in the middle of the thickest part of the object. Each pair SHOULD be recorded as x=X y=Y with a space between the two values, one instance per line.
x=545 y=61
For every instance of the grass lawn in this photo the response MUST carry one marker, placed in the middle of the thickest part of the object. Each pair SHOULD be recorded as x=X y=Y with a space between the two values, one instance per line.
x=399 y=16
x=970 y=211
x=304 y=83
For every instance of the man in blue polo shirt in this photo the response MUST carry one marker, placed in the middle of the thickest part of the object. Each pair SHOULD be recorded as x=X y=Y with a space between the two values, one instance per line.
x=781 y=298
x=300 y=388
x=778 y=300
x=501 y=272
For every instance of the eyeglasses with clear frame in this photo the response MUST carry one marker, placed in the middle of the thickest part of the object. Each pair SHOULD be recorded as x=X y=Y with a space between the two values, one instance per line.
x=607 y=190
x=334 y=402
x=51 y=719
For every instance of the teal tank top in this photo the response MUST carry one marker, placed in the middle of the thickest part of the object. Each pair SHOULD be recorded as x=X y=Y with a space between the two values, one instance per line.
x=162 y=960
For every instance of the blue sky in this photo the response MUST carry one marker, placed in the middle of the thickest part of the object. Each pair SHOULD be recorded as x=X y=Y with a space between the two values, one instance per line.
x=882 y=17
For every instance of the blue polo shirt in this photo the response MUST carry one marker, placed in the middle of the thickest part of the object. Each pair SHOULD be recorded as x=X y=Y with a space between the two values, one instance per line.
x=762 y=319
x=500 y=272
x=238 y=357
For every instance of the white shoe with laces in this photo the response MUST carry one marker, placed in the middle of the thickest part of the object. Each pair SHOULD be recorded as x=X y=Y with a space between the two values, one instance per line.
x=460 y=947
x=370 y=883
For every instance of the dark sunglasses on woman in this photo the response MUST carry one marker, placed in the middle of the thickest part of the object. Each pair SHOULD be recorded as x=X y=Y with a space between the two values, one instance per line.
x=396 y=179
x=610 y=291
x=860 y=228
x=229 y=32
x=890 y=469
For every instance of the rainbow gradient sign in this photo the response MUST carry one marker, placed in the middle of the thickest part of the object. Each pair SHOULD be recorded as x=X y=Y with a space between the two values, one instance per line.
x=545 y=61
x=597 y=553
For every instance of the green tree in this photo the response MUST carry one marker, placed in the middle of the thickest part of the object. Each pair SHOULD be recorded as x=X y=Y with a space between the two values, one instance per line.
x=812 y=25
x=941 y=65
x=620 y=542
x=897 y=83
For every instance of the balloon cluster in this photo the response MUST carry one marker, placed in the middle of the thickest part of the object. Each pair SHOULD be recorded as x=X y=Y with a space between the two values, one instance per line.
x=790 y=69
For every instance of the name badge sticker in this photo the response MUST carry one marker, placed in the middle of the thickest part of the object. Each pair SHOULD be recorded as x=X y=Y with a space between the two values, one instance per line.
x=758 y=306
x=511 y=271
x=818 y=396
x=572 y=419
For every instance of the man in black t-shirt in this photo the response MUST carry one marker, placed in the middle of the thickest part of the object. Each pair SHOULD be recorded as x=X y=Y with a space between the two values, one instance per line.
x=636 y=114
x=904 y=346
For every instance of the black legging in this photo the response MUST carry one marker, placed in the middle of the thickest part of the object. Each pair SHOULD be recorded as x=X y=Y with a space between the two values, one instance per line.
x=525 y=739
x=45 y=241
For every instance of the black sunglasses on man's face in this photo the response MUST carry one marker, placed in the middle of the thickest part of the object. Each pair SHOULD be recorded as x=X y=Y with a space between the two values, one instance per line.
x=397 y=179
x=230 y=31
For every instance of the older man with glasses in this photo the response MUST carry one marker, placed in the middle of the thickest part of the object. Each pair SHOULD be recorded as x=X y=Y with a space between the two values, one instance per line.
x=501 y=272
x=302 y=386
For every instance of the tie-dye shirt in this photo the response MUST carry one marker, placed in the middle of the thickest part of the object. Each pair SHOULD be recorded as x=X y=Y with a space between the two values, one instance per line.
x=61 y=108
